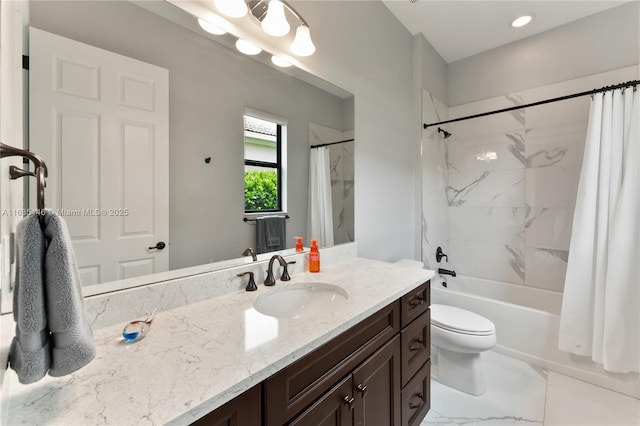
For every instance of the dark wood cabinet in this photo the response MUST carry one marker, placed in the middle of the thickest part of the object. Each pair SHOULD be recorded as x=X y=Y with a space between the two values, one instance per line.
x=375 y=373
x=243 y=410
x=416 y=355
x=416 y=342
x=334 y=408
x=416 y=397
x=292 y=389
x=367 y=396
x=376 y=382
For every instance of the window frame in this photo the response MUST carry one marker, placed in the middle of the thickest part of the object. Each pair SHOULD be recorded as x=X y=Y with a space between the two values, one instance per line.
x=277 y=166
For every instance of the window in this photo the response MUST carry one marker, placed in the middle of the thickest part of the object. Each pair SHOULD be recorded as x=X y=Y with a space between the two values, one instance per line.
x=263 y=164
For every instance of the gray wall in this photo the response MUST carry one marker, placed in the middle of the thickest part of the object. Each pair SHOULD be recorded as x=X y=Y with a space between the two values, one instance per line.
x=363 y=48
x=598 y=43
x=210 y=86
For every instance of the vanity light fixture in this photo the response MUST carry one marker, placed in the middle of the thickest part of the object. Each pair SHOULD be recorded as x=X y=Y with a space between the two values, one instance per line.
x=274 y=15
x=522 y=20
x=275 y=23
x=280 y=61
x=232 y=8
x=210 y=27
x=302 y=44
x=247 y=47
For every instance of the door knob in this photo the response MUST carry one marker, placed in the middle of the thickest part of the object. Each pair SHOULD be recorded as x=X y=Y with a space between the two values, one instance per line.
x=159 y=246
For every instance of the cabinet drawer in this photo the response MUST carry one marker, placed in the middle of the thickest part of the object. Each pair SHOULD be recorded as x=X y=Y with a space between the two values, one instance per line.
x=416 y=345
x=414 y=303
x=291 y=390
x=416 y=397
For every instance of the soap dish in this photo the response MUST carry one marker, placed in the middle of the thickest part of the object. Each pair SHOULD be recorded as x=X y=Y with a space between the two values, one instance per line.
x=136 y=330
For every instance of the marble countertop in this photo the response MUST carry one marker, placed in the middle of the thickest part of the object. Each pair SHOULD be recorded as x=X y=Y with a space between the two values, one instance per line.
x=200 y=356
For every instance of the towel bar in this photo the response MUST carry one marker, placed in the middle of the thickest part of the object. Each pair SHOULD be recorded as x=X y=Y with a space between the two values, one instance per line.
x=40 y=173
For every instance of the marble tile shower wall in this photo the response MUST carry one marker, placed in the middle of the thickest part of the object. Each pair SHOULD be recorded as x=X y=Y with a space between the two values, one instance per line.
x=341 y=158
x=512 y=183
x=435 y=210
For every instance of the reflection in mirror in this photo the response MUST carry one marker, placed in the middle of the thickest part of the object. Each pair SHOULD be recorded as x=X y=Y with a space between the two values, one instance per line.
x=156 y=153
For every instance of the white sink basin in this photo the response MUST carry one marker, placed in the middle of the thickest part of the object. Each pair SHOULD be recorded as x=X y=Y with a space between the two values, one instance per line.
x=300 y=300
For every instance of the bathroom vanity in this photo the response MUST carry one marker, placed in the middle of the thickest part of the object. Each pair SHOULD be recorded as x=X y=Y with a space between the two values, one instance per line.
x=220 y=361
x=377 y=372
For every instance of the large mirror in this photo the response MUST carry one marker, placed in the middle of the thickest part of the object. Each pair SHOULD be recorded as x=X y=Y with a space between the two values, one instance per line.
x=210 y=87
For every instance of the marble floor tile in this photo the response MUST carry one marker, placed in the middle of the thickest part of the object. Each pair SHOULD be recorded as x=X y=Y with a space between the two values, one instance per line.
x=511 y=398
x=568 y=408
x=521 y=394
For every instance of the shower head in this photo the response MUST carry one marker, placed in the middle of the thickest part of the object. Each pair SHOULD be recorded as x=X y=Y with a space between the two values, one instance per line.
x=444 y=132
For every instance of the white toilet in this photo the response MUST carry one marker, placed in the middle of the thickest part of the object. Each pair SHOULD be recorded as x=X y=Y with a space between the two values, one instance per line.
x=457 y=338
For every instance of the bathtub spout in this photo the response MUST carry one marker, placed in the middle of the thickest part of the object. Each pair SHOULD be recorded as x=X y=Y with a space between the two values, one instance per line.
x=442 y=271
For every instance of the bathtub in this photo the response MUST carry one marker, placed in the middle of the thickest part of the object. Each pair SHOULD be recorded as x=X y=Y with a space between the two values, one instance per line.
x=527 y=323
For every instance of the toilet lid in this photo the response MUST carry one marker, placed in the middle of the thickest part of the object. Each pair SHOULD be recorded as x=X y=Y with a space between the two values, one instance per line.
x=460 y=321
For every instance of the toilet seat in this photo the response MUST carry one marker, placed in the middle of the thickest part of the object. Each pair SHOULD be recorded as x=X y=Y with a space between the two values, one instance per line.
x=460 y=321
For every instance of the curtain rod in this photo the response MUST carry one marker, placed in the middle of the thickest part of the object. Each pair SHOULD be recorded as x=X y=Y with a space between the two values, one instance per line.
x=547 y=101
x=330 y=143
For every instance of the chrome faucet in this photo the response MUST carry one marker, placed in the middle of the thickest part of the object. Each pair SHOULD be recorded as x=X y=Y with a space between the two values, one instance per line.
x=270 y=280
x=250 y=252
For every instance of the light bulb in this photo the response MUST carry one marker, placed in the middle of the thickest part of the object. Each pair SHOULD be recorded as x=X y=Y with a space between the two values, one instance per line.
x=302 y=44
x=232 y=8
x=210 y=27
x=247 y=48
x=523 y=20
x=275 y=23
x=279 y=61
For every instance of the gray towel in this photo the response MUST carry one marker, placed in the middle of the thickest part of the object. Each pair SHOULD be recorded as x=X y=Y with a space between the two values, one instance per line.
x=270 y=233
x=67 y=341
x=30 y=353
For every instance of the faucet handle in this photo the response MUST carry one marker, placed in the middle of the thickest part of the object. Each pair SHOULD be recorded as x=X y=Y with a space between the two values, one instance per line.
x=251 y=286
x=285 y=272
x=440 y=254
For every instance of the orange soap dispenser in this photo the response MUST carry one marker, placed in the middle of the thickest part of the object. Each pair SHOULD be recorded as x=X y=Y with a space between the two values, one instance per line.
x=314 y=257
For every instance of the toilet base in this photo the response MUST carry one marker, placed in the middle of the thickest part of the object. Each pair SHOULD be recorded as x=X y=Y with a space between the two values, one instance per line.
x=461 y=371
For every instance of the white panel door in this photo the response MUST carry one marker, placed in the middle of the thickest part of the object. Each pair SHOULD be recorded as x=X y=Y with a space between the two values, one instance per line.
x=101 y=122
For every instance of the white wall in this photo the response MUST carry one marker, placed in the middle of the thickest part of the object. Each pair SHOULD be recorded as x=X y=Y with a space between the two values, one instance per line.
x=364 y=49
x=602 y=42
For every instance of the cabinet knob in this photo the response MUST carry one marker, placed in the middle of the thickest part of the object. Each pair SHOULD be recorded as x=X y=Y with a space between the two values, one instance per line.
x=362 y=388
x=349 y=400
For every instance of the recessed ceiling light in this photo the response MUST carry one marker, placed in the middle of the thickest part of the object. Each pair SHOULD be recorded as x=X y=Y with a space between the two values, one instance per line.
x=522 y=20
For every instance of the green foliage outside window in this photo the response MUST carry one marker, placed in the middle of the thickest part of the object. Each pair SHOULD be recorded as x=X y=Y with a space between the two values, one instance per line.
x=260 y=190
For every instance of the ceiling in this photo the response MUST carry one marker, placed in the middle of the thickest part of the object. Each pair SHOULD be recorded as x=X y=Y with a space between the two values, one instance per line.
x=458 y=29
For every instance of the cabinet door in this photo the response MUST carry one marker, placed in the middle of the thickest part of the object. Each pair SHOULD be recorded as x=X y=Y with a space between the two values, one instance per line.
x=334 y=408
x=377 y=387
x=244 y=410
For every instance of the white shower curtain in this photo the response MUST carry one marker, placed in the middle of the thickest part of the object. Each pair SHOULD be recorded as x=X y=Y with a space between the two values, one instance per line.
x=601 y=303
x=320 y=211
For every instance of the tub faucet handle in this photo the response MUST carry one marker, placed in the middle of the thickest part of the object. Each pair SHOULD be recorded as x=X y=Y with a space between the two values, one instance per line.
x=440 y=254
